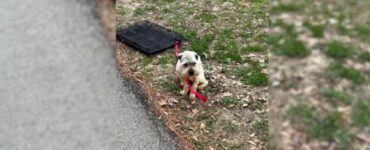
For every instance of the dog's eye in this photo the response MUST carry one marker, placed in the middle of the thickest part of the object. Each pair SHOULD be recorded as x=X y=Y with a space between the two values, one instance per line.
x=186 y=65
x=196 y=57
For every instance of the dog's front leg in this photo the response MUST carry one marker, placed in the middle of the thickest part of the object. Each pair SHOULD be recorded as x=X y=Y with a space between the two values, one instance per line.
x=185 y=88
x=202 y=84
x=194 y=87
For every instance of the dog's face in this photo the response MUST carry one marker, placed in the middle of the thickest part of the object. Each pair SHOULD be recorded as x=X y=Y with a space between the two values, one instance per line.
x=188 y=63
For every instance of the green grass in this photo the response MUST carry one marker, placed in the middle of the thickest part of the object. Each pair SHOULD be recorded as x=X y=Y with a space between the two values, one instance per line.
x=271 y=144
x=121 y=10
x=274 y=39
x=351 y=74
x=140 y=11
x=226 y=47
x=343 y=139
x=363 y=32
x=261 y=37
x=288 y=28
x=343 y=30
x=338 y=50
x=301 y=114
x=289 y=46
x=186 y=32
x=287 y=7
x=169 y=1
x=201 y=44
x=146 y=60
x=261 y=128
x=244 y=35
x=317 y=30
x=227 y=52
x=323 y=128
x=203 y=116
x=361 y=113
x=335 y=97
x=207 y=17
x=210 y=122
x=169 y=86
x=163 y=60
x=257 y=105
x=198 y=44
x=330 y=128
x=229 y=127
x=254 y=48
x=226 y=33
x=252 y=76
x=359 y=31
x=364 y=57
x=228 y=101
x=256 y=78
x=228 y=56
x=254 y=65
x=239 y=146
x=259 y=1
x=199 y=145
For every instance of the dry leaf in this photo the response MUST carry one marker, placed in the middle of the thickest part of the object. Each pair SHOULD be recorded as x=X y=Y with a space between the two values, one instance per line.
x=245 y=105
x=211 y=148
x=163 y=103
x=251 y=142
x=195 y=138
x=227 y=94
x=194 y=111
x=202 y=125
x=252 y=135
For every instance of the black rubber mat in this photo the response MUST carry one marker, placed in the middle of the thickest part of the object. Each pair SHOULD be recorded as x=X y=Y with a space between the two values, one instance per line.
x=148 y=37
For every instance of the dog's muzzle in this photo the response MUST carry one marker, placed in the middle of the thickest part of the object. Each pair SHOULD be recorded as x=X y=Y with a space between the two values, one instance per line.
x=191 y=71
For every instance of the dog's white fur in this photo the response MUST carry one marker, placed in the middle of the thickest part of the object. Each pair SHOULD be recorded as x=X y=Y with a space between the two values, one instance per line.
x=189 y=66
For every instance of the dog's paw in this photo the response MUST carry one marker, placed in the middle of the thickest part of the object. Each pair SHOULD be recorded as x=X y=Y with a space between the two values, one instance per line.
x=202 y=85
x=183 y=93
x=192 y=96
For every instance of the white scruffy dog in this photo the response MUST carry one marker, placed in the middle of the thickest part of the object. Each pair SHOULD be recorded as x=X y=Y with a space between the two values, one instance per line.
x=189 y=66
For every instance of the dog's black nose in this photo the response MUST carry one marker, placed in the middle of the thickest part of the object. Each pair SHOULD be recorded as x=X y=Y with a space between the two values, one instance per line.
x=191 y=72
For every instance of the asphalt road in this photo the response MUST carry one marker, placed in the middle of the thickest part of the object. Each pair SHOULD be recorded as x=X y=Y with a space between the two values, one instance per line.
x=59 y=87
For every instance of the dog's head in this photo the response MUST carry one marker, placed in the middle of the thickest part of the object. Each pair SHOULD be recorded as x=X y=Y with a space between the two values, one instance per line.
x=188 y=62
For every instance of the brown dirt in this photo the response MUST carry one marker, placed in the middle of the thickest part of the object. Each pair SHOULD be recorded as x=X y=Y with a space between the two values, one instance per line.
x=106 y=12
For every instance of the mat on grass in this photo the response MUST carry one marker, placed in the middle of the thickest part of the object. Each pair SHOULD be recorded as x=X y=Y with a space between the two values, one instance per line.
x=148 y=37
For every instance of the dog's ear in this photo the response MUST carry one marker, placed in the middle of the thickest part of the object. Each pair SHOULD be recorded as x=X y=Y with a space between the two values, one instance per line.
x=179 y=56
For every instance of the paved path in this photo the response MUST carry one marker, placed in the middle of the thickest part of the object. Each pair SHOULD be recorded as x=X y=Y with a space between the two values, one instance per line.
x=59 y=88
